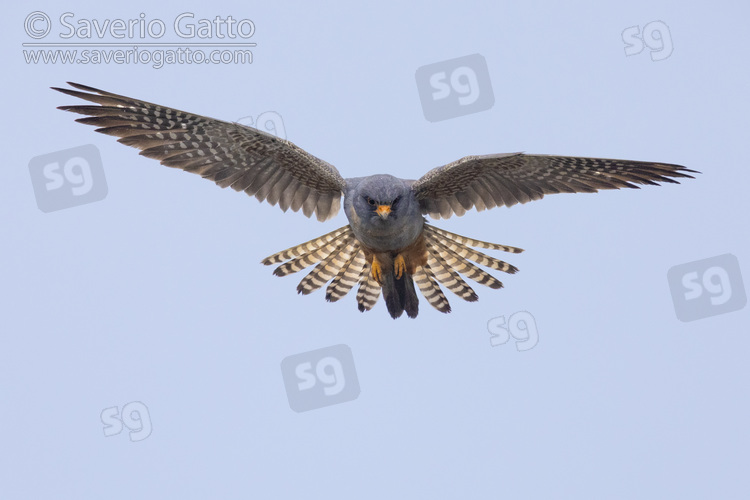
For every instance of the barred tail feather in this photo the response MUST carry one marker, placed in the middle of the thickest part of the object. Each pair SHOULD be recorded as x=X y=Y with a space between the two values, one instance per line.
x=347 y=277
x=305 y=248
x=342 y=263
x=465 y=267
x=450 y=278
x=339 y=257
x=327 y=268
x=305 y=260
x=425 y=280
x=463 y=240
x=369 y=290
x=475 y=255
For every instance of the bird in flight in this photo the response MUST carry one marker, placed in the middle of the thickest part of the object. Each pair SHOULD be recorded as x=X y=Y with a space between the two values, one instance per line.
x=388 y=245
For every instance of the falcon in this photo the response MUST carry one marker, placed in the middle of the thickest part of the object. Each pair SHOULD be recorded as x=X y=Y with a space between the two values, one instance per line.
x=388 y=246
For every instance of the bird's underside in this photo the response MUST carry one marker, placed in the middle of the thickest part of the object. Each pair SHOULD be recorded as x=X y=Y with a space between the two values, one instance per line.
x=393 y=261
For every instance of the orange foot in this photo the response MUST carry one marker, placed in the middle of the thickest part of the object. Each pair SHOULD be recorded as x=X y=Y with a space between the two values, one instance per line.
x=377 y=272
x=399 y=265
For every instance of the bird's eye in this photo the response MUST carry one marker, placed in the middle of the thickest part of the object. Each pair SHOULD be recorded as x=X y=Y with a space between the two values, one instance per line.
x=395 y=202
x=371 y=202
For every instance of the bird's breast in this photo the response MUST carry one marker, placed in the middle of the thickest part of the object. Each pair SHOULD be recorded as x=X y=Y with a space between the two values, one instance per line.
x=389 y=235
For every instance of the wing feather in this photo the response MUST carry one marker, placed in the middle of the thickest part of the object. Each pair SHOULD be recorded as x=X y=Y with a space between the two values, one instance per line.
x=229 y=154
x=507 y=179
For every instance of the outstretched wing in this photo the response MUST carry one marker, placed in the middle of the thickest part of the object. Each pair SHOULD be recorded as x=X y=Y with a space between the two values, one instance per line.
x=506 y=179
x=227 y=153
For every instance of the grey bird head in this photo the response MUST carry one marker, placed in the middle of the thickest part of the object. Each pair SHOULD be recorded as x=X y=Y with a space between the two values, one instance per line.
x=384 y=207
x=380 y=198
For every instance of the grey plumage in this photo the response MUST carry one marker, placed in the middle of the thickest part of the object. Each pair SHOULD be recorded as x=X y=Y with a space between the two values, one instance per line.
x=387 y=245
x=507 y=179
x=229 y=154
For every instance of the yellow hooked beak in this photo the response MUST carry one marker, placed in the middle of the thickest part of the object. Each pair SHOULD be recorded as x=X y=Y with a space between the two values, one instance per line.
x=383 y=211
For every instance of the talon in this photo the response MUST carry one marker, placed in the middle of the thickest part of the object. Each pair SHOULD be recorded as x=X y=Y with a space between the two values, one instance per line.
x=399 y=265
x=377 y=273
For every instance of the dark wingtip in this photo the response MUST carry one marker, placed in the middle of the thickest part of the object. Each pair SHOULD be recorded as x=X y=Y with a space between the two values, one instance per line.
x=76 y=93
x=77 y=86
x=675 y=172
x=682 y=173
x=65 y=91
x=80 y=86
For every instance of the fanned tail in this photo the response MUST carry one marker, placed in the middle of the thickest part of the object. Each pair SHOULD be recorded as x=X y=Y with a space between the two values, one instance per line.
x=342 y=263
x=449 y=254
x=348 y=276
x=340 y=260
x=328 y=268
x=306 y=248
x=463 y=240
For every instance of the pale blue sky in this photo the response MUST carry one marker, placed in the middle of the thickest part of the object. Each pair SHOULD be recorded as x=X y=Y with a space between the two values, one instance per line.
x=156 y=294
